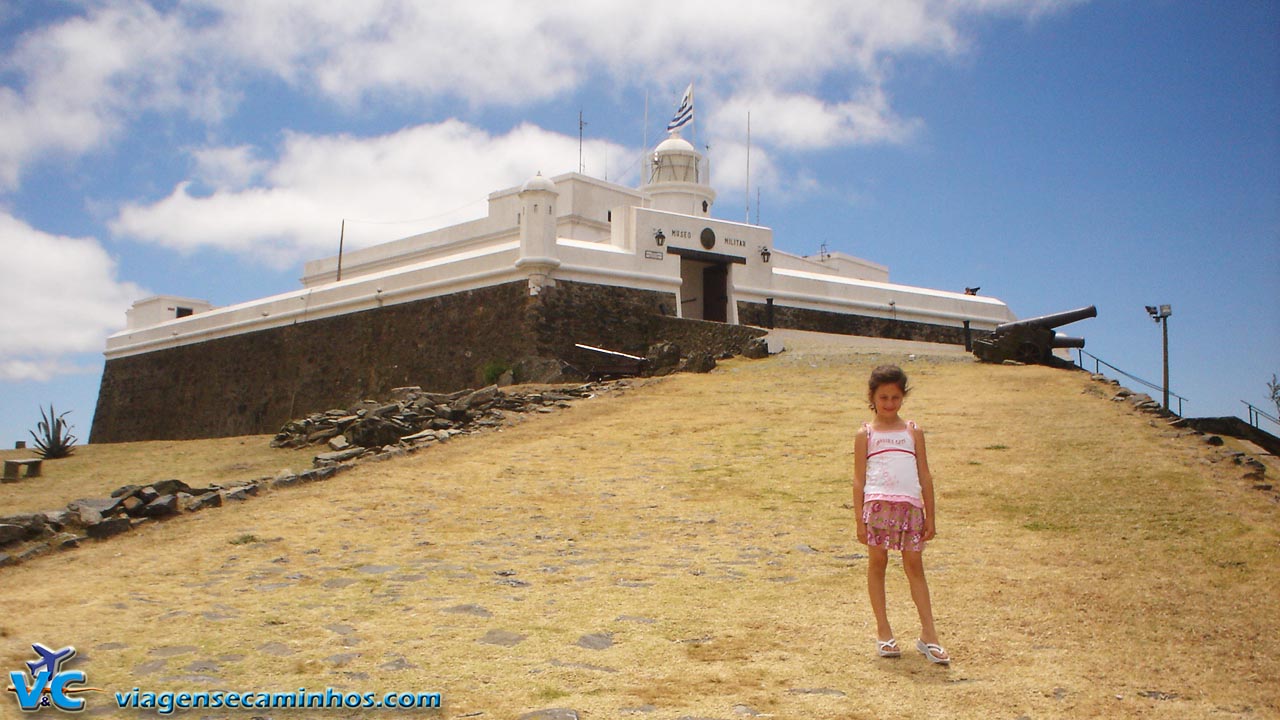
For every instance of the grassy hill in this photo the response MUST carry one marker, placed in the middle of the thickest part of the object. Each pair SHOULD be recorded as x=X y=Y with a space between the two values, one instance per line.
x=685 y=549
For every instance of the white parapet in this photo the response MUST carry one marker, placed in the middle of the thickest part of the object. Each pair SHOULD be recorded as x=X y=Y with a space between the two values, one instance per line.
x=160 y=308
x=480 y=267
x=832 y=293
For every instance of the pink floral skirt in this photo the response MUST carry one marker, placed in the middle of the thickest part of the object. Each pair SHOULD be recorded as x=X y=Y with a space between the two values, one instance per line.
x=894 y=525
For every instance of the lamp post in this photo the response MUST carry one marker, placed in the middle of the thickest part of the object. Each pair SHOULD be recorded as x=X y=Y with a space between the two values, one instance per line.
x=1161 y=315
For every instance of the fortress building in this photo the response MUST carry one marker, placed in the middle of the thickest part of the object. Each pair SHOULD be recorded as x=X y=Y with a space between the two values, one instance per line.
x=555 y=262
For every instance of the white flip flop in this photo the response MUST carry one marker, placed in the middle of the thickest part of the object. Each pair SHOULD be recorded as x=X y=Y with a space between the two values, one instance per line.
x=888 y=648
x=932 y=652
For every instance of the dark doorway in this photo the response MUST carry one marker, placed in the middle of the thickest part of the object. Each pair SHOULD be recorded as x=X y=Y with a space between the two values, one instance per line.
x=715 y=293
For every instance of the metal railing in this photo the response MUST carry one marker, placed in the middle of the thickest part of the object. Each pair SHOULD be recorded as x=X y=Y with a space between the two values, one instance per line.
x=1256 y=412
x=1097 y=369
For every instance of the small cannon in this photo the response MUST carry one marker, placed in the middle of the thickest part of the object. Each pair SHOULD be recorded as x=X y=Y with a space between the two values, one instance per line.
x=1032 y=340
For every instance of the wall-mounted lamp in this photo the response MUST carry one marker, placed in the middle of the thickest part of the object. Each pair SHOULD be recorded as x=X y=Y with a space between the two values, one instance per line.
x=659 y=238
x=765 y=254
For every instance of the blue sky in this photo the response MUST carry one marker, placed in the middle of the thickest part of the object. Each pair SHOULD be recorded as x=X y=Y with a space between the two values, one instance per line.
x=1056 y=153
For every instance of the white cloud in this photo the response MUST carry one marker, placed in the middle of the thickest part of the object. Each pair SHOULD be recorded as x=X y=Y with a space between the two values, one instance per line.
x=436 y=174
x=229 y=167
x=508 y=52
x=729 y=168
x=66 y=300
x=85 y=78
x=806 y=122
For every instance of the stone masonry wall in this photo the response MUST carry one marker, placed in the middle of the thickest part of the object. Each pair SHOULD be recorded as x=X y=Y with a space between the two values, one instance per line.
x=253 y=383
x=847 y=324
x=618 y=318
x=625 y=320
x=714 y=338
x=256 y=382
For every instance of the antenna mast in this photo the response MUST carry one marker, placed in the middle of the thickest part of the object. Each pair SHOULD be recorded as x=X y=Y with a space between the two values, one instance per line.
x=342 y=238
x=707 y=180
x=581 y=167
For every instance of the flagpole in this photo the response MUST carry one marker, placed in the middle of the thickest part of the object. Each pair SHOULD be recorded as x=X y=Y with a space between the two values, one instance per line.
x=694 y=121
x=748 y=192
x=644 y=145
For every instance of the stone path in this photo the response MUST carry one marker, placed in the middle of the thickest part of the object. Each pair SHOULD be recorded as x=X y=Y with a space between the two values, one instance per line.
x=469 y=585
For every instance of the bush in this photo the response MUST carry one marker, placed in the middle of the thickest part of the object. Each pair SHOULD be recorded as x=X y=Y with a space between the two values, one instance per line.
x=493 y=370
x=55 y=439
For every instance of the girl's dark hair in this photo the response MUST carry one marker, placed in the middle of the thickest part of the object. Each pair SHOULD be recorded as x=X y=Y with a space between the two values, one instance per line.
x=886 y=375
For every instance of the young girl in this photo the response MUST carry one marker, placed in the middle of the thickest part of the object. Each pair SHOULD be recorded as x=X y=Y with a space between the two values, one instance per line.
x=893 y=493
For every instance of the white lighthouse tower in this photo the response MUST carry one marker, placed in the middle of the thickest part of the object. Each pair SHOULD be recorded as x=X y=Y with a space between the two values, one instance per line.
x=675 y=179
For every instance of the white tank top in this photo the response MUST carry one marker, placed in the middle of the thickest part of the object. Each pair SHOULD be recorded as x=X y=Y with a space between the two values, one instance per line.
x=892 y=473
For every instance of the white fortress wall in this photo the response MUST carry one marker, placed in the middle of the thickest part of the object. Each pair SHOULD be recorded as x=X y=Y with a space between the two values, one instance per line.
x=490 y=264
x=413 y=249
x=832 y=293
x=836 y=263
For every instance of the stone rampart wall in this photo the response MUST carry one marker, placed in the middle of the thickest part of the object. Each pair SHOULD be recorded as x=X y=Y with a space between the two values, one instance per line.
x=848 y=324
x=254 y=383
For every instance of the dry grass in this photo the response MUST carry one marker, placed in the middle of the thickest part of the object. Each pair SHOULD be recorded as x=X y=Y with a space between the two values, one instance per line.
x=96 y=470
x=1086 y=556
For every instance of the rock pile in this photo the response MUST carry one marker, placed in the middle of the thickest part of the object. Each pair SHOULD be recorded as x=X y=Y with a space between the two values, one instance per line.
x=664 y=358
x=414 y=417
x=370 y=431
x=1255 y=469
x=128 y=507
x=1140 y=401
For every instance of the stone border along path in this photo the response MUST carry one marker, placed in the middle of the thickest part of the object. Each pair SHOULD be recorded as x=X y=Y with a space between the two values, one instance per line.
x=412 y=422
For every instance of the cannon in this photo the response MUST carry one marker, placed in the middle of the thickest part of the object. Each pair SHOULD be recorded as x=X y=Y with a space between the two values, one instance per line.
x=1032 y=340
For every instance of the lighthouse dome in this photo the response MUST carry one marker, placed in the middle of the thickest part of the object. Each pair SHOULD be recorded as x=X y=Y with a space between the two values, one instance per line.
x=674 y=144
x=537 y=182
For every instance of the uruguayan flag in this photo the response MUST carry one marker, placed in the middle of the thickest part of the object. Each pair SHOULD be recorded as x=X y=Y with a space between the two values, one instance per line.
x=684 y=113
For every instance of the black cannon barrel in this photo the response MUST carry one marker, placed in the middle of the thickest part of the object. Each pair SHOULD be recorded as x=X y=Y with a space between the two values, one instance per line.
x=1050 y=321
x=1062 y=340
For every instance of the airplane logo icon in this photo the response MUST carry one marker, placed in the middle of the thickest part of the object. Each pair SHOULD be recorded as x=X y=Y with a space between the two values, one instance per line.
x=50 y=660
x=49 y=684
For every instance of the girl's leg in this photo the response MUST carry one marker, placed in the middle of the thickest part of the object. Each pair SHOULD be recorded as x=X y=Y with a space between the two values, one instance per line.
x=877 y=562
x=913 y=564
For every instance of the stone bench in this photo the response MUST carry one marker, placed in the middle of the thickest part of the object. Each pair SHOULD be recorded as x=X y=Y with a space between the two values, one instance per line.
x=11 y=468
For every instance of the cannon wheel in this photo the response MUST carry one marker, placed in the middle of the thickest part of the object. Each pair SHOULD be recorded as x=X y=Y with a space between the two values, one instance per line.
x=1030 y=353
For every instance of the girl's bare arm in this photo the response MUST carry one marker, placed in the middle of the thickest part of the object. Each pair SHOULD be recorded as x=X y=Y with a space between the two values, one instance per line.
x=926 y=483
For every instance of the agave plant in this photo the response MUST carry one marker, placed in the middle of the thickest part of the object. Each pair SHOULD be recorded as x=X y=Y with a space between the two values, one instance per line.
x=55 y=439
